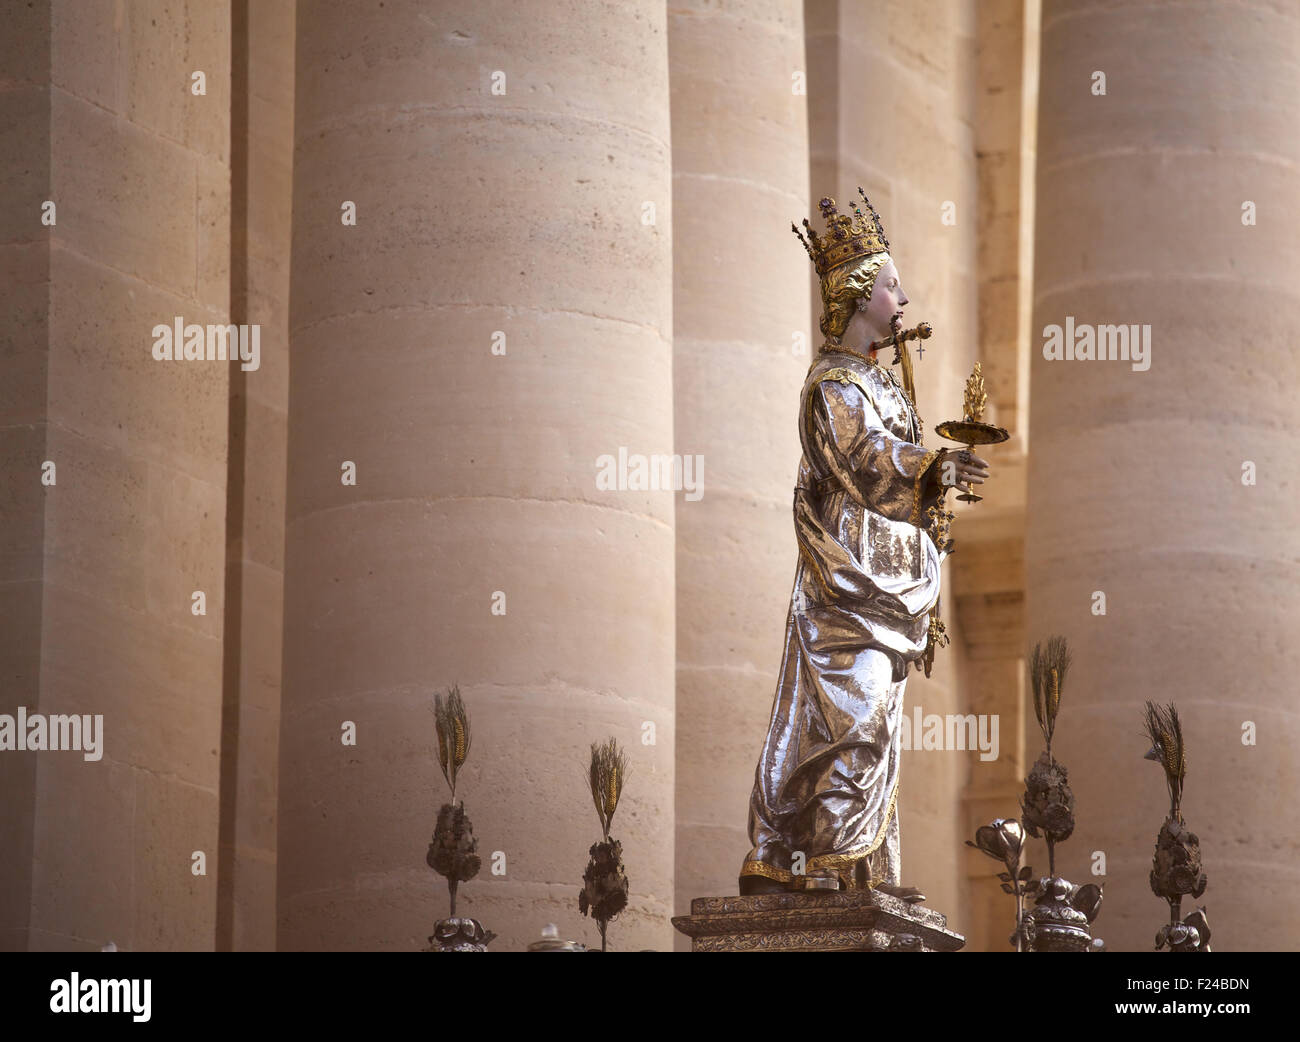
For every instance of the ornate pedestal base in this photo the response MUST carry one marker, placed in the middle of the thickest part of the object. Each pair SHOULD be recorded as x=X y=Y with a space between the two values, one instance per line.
x=459 y=935
x=836 y=921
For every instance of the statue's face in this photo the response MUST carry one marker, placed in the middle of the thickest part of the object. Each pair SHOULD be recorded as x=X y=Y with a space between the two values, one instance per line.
x=887 y=300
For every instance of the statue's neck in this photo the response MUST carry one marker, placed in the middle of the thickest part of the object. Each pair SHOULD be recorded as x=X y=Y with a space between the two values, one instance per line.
x=847 y=349
x=857 y=335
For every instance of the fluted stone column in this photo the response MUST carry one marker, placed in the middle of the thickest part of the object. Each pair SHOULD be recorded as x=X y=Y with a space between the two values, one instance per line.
x=497 y=320
x=1138 y=484
x=741 y=347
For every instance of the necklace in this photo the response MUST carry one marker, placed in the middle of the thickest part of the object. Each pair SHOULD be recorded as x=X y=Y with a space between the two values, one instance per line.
x=831 y=348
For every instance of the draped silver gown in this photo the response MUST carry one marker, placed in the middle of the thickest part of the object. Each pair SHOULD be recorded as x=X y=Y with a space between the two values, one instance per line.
x=826 y=785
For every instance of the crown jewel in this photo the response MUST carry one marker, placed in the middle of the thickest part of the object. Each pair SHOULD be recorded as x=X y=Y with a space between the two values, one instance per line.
x=847 y=236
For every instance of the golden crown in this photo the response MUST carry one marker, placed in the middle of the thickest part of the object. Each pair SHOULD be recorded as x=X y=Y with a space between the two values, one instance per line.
x=847 y=236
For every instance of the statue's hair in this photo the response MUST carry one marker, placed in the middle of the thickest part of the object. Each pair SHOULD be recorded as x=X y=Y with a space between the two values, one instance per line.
x=842 y=286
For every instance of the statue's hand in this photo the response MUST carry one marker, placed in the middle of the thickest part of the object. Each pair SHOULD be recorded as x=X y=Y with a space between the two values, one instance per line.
x=961 y=467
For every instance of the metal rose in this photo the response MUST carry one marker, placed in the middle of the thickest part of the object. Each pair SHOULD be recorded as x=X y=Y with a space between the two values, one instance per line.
x=1087 y=899
x=1002 y=840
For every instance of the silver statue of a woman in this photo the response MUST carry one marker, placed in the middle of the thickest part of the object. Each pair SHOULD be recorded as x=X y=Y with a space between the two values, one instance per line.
x=823 y=810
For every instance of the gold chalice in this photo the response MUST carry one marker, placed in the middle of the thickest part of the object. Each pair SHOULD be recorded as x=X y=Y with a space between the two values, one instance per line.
x=971 y=430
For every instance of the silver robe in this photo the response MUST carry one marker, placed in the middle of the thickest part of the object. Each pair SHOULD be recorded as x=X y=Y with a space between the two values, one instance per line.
x=827 y=781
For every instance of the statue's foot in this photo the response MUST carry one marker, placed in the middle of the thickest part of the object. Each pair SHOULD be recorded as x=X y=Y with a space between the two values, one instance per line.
x=910 y=894
x=820 y=880
x=750 y=885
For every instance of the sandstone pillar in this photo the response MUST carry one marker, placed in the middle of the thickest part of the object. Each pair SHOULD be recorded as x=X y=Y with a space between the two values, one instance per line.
x=741 y=347
x=262 y=53
x=496 y=320
x=989 y=572
x=1168 y=201
x=105 y=118
x=989 y=583
x=25 y=269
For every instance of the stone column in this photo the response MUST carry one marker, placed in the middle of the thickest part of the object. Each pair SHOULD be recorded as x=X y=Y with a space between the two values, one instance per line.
x=989 y=572
x=741 y=347
x=889 y=108
x=989 y=583
x=1168 y=201
x=262 y=48
x=25 y=270
x=107 y=120
x=497 y=319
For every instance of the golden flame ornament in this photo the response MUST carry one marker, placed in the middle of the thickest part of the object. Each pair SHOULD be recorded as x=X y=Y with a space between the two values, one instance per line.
x=971 y=430
x=975 y=399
